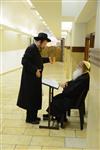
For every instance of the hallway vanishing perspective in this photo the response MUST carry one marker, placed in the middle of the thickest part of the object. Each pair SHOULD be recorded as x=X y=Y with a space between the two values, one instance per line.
x=73 y=26
x=17 y=135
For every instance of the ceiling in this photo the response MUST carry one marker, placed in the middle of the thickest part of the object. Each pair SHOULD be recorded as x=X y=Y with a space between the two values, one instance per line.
x=50 y=10
x=55 y=11
x=88 y=12
x=72 y=7
x=21 y=16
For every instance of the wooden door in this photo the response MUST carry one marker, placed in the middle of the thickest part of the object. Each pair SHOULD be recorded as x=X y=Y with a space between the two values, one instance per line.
x=87 y=46
x=92 y=40
x=89 y=43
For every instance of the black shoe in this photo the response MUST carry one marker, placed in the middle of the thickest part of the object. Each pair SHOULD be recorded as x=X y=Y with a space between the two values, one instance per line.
x=65 y=120
x=38 y=118
x=28 y=121
x=33 y=122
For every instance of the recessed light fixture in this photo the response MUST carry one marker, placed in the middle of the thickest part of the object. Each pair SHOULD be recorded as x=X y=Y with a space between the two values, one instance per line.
x=37 y=13
x=64 y=33
x=44 y=23
x=41 y=18
x=5 y=22
x=66 y=25
x=30 y=3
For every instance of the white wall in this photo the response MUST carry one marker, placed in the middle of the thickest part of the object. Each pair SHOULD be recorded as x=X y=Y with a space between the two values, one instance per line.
x=78 y=34
x=97 y=35
x=91 y=25
x=19 y=15
x=93 y=122
x=10 y=60
x=68 y=40
x=72 y=7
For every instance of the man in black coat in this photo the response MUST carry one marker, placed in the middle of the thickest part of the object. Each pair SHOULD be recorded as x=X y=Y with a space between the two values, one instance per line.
x=71 y=91
x=30 y=94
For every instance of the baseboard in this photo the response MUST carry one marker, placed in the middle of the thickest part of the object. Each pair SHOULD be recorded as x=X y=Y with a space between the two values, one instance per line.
x=10 y=71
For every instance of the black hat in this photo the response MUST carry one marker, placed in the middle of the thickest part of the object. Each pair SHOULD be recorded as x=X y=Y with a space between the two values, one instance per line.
x=42 y=36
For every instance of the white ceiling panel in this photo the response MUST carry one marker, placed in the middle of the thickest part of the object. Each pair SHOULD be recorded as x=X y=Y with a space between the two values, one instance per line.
x=72 y=7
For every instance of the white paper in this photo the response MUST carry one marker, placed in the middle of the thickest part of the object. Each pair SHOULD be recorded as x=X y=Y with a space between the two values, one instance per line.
x=52 y=83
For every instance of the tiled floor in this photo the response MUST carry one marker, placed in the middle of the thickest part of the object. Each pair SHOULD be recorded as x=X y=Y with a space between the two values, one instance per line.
x=17 y=135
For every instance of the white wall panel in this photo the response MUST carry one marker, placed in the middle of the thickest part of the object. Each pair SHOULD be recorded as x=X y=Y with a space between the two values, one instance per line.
x=10 y=60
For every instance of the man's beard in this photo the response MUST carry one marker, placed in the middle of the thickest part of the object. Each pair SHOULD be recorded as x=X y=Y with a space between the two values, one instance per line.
x=78 y=72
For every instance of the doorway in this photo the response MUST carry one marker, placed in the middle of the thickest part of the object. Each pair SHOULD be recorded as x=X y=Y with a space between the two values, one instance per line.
x=89 y=43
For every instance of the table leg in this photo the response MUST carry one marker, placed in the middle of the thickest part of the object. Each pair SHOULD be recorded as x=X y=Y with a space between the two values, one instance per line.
x=51 y=90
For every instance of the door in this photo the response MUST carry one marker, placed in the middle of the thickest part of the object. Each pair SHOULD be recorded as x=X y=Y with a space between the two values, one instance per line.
x=87 y=46
x=89 y=43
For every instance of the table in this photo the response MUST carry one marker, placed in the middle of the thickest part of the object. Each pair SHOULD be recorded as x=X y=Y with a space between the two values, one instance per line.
x=52 y=84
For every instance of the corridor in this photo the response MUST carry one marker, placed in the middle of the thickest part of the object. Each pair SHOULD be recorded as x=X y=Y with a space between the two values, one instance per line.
x=17 y=135
x=66 y=32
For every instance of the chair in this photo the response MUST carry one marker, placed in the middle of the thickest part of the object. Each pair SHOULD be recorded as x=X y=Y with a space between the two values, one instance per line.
x=80 y=105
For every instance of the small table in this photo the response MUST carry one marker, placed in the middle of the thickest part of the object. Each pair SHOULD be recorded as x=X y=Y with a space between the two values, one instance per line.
x=52 y=84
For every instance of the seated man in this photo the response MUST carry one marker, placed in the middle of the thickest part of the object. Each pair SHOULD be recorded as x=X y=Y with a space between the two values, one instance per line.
x=71 y=91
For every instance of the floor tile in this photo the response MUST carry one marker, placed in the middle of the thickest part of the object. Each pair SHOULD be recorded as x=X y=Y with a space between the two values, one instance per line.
x=7 y=147
x=19 y=116
x=75 y=142
x=16 y=131
x=59 y=148
x=62 y=133
x=15 y=139
x=48 y=141
x=27 y=148
x=16 y=123
x=81 y=134
x=34 y=132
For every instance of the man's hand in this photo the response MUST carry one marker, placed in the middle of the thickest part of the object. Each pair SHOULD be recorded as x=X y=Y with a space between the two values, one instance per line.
x=38 y=73
x=52 y=60
x=63 y=84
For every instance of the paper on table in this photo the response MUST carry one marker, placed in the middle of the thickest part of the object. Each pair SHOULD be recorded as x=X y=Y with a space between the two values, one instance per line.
x=52 y=83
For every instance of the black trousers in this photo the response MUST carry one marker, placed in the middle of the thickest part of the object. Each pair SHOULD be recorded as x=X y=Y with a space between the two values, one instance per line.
x=31 y=115
x=61 y=117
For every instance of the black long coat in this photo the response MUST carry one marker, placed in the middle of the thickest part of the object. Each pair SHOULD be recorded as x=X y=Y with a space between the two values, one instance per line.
x=69 y=95
x=30 y=93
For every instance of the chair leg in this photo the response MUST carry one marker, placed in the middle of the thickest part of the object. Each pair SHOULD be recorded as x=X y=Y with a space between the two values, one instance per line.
x=62 y=121
x=69 y=112
x=81 y=113
x=84 y=108
x=55 y=124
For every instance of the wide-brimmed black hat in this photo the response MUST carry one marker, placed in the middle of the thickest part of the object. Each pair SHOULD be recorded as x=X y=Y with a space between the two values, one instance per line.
x=42 y=36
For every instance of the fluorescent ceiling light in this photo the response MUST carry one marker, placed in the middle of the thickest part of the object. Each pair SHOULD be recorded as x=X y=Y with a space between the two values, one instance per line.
x=10 y=25
x=41 y=18
x=37 y=13
x=7 y=23
x=30 y=3
x=66 y=26
x=63 y=36
x=44 y=23
x=64 y=33
x=25 y=30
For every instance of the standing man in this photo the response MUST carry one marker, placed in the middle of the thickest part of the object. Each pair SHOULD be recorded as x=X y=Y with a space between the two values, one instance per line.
x=30 y=94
